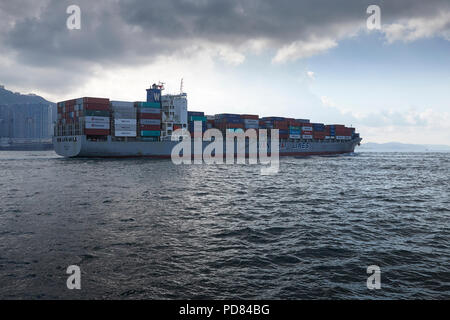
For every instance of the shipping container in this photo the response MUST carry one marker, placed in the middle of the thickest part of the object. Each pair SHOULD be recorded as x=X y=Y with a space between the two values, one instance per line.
x=149 y=110
x=196 y=118
x=96 y=113
x=96 y=106
x=96 y=125
x=307 y=136
x=122 y=104
x=125 y=133
x=228 y=116
x=150 y=116
x=251 y=121
x=249 y=116
x=124 y=121
x=90 y=100
x=294 y=136
x=152 y=133
x=144 y=127
x=96 y=119
x=96 y=132
x=272 y=119
x=195 y=114
x=125 y=127
x=156 y=105
x=150 y=122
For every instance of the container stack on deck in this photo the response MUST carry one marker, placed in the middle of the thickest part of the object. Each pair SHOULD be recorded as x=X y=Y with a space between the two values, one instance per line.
x=228 y=122
x=124 y=115
x=89 y=116
x=149 y=116
x=251 y=121
x=196 y=116
x=97 y=116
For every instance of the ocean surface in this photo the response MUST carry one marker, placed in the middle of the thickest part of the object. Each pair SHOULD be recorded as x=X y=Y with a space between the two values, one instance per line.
x=147 y=229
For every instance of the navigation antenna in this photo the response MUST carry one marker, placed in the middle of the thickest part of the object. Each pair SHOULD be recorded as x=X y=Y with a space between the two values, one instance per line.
x=181 y=86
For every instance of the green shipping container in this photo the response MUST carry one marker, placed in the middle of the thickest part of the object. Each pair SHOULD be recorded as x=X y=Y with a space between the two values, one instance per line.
x=197 y=118
x=96 y=113
x=149 y=105
x=294 y=128
x=150 y=133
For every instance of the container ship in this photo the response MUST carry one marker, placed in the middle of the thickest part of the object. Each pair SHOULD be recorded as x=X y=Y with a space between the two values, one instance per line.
x=100 y=127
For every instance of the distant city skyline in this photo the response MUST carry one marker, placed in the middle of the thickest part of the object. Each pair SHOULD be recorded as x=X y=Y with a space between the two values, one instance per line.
x=313 y=60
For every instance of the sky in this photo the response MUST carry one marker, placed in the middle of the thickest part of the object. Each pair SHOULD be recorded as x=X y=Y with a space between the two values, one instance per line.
x=302 y=59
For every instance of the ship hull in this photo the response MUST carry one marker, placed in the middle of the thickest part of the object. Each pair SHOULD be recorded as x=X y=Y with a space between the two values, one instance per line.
x=79 y=146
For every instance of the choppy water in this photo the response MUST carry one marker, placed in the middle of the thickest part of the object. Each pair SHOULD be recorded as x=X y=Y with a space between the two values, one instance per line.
x=149 y=229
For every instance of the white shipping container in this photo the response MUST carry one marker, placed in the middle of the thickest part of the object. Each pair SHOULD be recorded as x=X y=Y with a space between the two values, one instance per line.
x=125 y=115
x=307 y=136
x=307 y=128
x=294 y=136
x=97 y=119
x=96 y=125
x=251 y=121
x=124 y=121
x=125 y=133
x=122 y=104
x=151 y=122
x=251 y=126
x=125 y=127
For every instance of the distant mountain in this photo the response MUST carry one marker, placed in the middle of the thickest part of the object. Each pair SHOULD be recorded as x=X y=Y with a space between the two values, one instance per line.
x=9 y=97
x=402 y=147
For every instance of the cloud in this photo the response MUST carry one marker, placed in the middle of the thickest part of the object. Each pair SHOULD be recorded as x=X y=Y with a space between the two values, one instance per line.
x=310 y=75
x=137 y=33
x=303 y=49
x=408 y=30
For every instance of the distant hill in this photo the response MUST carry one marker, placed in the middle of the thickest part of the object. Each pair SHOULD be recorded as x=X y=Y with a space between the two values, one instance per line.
x=402 y=147
x=9 y=97
x=25 y=116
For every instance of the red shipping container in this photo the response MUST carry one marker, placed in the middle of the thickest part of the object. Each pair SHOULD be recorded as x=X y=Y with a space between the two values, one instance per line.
x=70 y=102
x=96 y=106
x=96 y=132
x=149 y=127
x=307 y=132
x=280 y=125
x=176 y=126
x=319 y=135
x=96 y=100
x=149 y=115
x=250 y=116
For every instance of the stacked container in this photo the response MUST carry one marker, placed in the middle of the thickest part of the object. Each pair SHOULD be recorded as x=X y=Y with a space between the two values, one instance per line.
x=194 y=116
x=330 y=132
x=295 y=132
x=307 y=131
x=94 y=115
x=251 y=121
x=343 y=133
x=229 y=122
x=319 y=131
x=124 y=115
x=149 y=117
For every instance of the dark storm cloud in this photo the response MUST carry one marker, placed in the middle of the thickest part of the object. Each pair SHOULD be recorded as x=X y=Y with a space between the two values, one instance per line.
x=118 y=32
